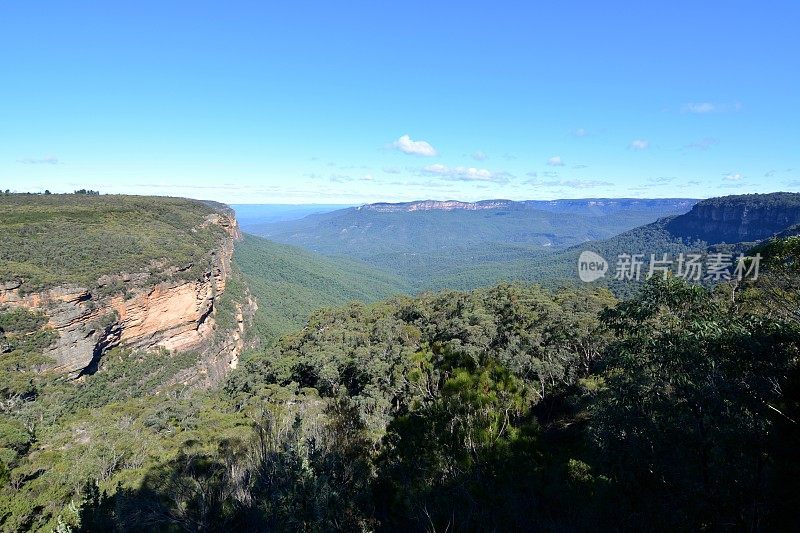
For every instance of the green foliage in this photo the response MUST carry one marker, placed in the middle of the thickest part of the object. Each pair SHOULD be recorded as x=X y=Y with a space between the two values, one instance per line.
x=21 y=321
x=780 y=276
x=686 y=417
x=755 y=201
x=39 y=241
x=22 y=335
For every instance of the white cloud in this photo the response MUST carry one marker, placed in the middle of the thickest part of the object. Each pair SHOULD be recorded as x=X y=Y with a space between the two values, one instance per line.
x=465 y=173
x=555 y=161
x=408 y=146
x=639 y=144
x=580 y=132
x=479 y=155
x=702 y=144
x=46 y=160
x=733 y=177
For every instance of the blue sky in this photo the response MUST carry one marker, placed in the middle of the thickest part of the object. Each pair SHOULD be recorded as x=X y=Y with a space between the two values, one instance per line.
x=326 y=102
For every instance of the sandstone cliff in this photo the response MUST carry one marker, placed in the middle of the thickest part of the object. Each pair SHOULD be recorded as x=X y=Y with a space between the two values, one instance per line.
x=178 y=312
x=734 y=219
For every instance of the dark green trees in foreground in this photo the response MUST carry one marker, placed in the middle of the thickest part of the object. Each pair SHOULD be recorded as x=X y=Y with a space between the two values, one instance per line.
x=509 y=408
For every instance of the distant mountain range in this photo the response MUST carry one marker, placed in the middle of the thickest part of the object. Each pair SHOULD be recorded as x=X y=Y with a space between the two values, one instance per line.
x=450 y=244
x=588 y=206
x=435 y=226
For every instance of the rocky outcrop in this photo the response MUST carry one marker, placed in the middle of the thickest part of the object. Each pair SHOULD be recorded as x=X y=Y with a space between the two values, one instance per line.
x=223 y=356
x=733 y=219
x=173 y=314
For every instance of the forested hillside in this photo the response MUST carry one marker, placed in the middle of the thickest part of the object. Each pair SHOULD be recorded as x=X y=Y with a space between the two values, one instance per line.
x=290 y=283
x=508 y=408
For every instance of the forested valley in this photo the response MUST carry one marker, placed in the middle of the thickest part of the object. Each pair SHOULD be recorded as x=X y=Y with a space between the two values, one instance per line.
x=506 y=408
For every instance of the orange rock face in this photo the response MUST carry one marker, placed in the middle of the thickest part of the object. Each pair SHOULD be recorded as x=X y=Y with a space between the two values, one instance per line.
x=174 y=315
x=174 y=318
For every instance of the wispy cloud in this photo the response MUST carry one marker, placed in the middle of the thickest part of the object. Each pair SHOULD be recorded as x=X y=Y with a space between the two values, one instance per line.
x=703 y=144
x=572 y=184
x=662 y=180
x=654 y=182
x=391 y=170
x=639 y=144
x=733 y=176
x=409 y=146
x=465 y=173
x=702 y=108
x=699 y=107
x=580 y=132
x=731 y=185
x=479 y=155
x=555 y=161
x=46 y=160
x=344 y=178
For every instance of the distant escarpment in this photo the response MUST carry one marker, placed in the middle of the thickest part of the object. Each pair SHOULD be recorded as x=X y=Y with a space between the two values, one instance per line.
x=436 y=205
x=742 y=218
x=175 y=268
x=588 y=206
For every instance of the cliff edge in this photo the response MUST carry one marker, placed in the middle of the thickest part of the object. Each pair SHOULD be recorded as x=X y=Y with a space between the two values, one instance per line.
x=168 y=299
